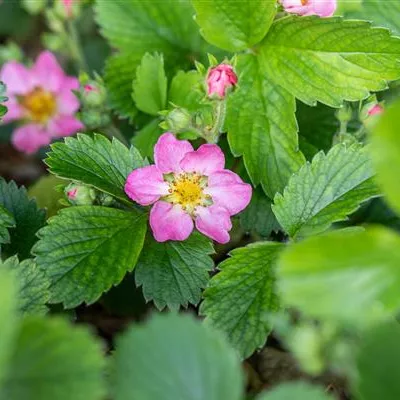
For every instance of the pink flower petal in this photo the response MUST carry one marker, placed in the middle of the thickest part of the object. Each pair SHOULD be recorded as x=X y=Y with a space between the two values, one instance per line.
x=207 y=159
x=17 y=78
x=64 y=125
x=30 y=138
x=229 y=191
x=324 y=8
x=15 y=111
x=169 y=152
x=47 y=72
x=214 y=222
x=170 y=222
x=146 y=185
x=67 y=102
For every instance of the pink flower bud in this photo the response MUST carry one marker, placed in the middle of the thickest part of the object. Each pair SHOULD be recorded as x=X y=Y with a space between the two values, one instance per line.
x=376 y=109
x=220 y=79
x=322 y=8
x=68 y=7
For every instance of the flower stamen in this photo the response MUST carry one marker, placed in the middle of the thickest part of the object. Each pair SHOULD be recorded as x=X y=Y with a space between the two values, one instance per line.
x=39 y=104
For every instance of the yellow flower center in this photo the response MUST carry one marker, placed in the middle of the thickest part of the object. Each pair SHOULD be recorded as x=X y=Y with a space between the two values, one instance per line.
x=304 y=2
x=187 y=190
x=39 y=104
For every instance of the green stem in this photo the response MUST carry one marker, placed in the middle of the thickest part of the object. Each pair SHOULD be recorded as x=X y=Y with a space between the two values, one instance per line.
x=76 y=47
x=219 y=120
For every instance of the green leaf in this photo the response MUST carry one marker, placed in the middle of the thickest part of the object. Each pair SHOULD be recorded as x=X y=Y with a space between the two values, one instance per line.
x=147 y=137
x=353 y=275
x=296 y=391
x=86 y=250
x=329 y=59
x=33 y=285
x=28 y=219
x=53 y=360
x=234 y=25
x=258 y=215
x=185 y=90
x=8 y=302
x=239 y=299
x=262 y=127
x=326 y=191
x=385 y=150
x=6 y=221
x=378 y=363
x=95 y=161
x=118 y=77
x=150 y=86
x=175 y=357
x=173 y=273
x=151 y=26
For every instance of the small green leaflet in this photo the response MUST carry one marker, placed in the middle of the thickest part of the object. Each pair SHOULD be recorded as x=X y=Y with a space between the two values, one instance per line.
x=173 y=274
x=147 y=137
x=86 y=250
x=54 y=360
x=349 y=276
x=234 y=25
x=33 y=285
x=262 y=127
x=175 y=357
x=326 y=191
x=95 y=161
x=329 y=59
x=239 y=298
x=6 y=221
x=296 y=391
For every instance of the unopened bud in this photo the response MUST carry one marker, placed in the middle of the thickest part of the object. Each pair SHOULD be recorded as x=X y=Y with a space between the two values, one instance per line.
x=220 y=79
x=93 y=94
x=68 y=9
x=93 y=118
x=370 y=114
x=80 y=195
x=178 y=120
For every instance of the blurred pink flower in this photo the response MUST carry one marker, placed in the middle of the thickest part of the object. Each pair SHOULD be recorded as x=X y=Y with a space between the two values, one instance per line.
x=323 y=8
x=375 y=110
x=219 y=79
x=188 y=187
x=42 y=99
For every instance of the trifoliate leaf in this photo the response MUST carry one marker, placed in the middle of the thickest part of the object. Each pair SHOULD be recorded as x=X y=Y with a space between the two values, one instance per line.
x=239 y=299
x=173 y=274
x=385 y=150
x=86 y=250
x=185 y=90
x=53 y=360
x=175 y=357
x=33 y=285
x=262 y=127
x=28 y=219
x=346 y=275
x=118 y=77
x=95 y=161
x=147 y=137
x=326 y=191
x=296 y=391
x=258 y=215
x=6 y=221
x=150 y=85
x=234 y=25
x=329 y=59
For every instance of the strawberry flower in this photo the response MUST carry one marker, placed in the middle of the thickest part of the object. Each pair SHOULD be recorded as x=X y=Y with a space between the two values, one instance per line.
x=322 y=8
x=188 y=188
x=41 y=98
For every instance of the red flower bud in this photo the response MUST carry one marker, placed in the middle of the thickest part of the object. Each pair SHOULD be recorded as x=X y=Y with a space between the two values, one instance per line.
x=220 y=79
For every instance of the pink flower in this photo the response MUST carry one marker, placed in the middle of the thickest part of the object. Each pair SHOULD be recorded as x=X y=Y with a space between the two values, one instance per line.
x=376 y=109
x=220 y=79
x=42 y=99
x=323 y=8
x=188 y=188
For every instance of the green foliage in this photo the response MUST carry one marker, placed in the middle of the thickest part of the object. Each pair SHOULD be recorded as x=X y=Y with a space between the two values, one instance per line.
x=258 y=215
x=3 y=98
x=118 y=77
x=385 y=150
x=296 y=391
x=52 y=360
x=150 y=86
x=85 y=250
x=329 y=59
x=234 y=25
x=95 y=161
x=147 y=137
x=185 y=90
x=348 y=275
x=28 y=219
x=325 y=191
x=377 y=362
x=239 y=299
x=6 y=221
x=173 y=273
x=174 y=357
x=262 y=127
x=33 y=285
